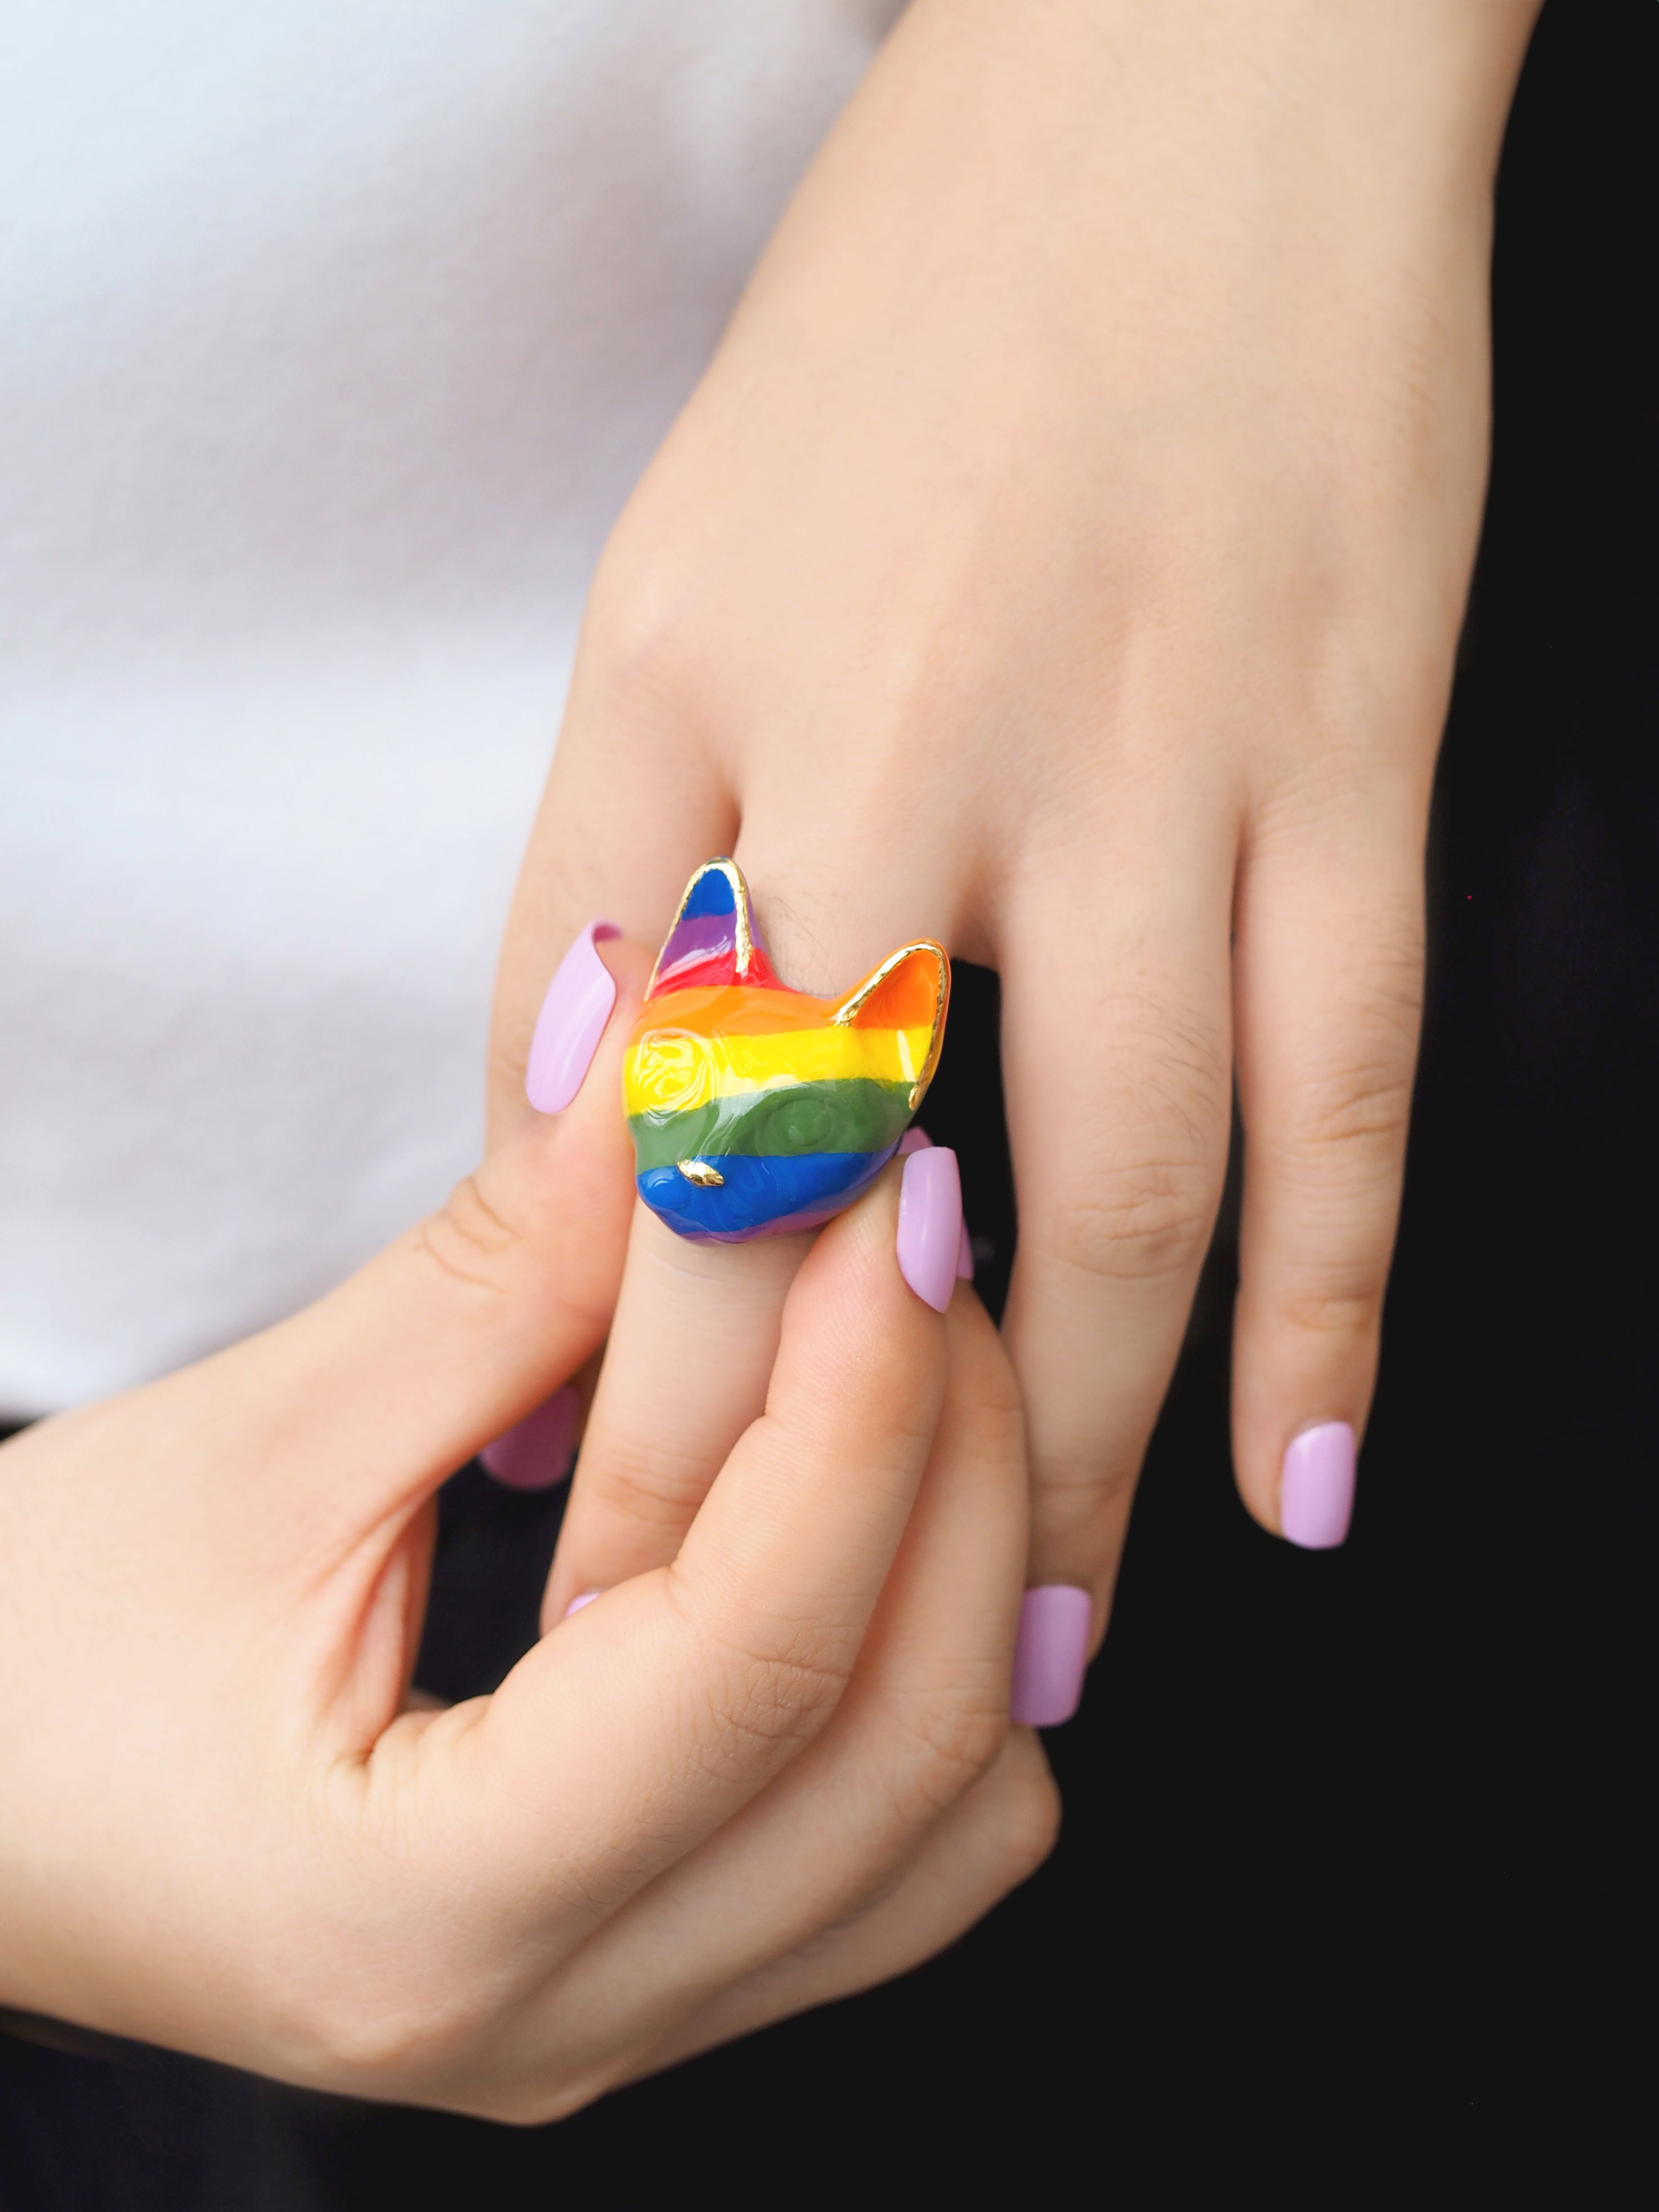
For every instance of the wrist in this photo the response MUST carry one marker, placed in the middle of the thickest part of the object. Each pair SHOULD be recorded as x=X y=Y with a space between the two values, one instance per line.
x=1454 y=61
x=1100 y=118
x=1151 y=204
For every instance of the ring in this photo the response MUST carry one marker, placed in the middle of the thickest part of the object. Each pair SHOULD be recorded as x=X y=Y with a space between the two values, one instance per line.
x=754 y=1109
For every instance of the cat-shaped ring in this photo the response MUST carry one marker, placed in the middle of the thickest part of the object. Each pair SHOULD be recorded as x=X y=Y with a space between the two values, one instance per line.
x=754 y=1109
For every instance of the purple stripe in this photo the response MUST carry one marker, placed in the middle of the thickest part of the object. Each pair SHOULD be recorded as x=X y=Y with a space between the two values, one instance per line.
x=705 y=934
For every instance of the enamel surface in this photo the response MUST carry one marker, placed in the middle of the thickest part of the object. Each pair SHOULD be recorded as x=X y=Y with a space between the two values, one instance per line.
x=754 y=1108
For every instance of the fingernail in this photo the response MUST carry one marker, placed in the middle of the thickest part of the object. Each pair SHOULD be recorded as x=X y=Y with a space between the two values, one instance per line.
x=1315 y=1495
x=918 y=1140
x=1051 y=1651
x=577 y=1603
x=571 y=1023
x=930 y=1224
x=537 y=1453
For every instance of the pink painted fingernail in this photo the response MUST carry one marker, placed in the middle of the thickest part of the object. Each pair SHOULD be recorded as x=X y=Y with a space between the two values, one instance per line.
x=577 y=1603
x=930 y=1225
x=1316 y=1495
x=1051 y=1651
x=538 y=1452
x=918 y=1140
x=571 y=1023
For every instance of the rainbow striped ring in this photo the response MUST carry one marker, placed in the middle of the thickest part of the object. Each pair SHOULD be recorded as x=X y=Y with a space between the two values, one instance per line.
x=754 y=1109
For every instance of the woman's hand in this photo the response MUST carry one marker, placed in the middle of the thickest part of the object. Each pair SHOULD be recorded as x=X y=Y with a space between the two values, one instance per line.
x=773 y=1771
x=1064 y=556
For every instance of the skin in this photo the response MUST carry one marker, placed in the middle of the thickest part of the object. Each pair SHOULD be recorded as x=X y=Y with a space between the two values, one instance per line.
x=1064 y=556
x=766 y=1774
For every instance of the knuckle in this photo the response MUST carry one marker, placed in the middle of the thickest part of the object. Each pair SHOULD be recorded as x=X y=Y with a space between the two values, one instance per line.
x=1142 y=1221
x=1030 y=1823
x=1365 y=1105
x=540 y=2103
x=469 y=1240
x=1084 y=1493
x=655 y=1492
x=952 y=1743
x=764 y=1702
x=641 y=621
x=496 y=1255
x=380 y=2034
x=1331 y=1313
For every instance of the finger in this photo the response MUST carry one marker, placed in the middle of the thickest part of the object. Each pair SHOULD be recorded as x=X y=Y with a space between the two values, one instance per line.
x=632 y=805
x=539 y=1452
x=641 y=1724
x=1115 y=1048
x=924 y=1718
x=995 y=1838
x=1329 y=967
x=453 y=1332
x=686 y=1370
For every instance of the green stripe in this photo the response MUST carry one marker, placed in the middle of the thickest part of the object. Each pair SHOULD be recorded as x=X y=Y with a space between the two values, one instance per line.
x=854 y=1115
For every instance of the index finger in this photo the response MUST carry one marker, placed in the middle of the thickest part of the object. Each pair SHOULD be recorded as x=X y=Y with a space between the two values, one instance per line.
x=636 y=1728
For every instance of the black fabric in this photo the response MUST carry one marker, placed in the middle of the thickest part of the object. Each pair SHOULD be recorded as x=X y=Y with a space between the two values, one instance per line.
x=1345 y=1840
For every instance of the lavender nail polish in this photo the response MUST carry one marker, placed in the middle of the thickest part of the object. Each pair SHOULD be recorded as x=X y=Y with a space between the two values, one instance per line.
x=577 y=1603
x=1315 y=1497
x=918 y=1140
x=930 y=1225
x=1051 y=1653
x=571 y=1023
x=537 y=1453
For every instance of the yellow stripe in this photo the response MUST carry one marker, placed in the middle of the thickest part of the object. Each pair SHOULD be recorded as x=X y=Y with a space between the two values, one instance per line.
x=670 y=1070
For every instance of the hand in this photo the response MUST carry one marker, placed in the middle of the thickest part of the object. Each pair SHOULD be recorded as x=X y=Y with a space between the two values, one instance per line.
x=1064 y=556
x=773 y=1772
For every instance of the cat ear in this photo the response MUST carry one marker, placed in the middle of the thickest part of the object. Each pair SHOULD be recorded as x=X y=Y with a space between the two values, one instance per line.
x=908 y=993
x=713 y=940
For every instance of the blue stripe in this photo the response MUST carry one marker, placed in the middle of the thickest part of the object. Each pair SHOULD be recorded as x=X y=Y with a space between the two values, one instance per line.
x=798 y=1189
x=712 y=893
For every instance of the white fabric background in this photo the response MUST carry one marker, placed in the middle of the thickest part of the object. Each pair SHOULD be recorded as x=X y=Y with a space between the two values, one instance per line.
x=334 y=334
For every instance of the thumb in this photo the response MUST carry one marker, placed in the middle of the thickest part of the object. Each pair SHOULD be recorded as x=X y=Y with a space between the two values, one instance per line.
x=471 y=1318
